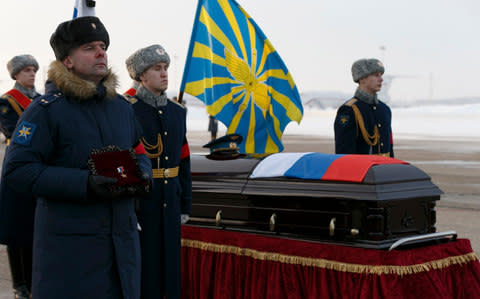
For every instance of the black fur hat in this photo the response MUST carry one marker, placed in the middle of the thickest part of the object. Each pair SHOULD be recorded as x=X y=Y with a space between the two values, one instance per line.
x=76 y=32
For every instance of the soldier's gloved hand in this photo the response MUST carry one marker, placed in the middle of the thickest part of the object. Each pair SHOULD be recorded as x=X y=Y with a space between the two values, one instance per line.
x=184 y=218
x=100 y=186
x=145 y=177
x=142 y=190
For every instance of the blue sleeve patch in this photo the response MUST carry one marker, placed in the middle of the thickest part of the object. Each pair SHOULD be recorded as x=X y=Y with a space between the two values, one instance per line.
x=24 y=133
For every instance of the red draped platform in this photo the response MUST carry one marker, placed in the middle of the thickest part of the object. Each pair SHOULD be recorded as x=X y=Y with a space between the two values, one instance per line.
x=225 y=264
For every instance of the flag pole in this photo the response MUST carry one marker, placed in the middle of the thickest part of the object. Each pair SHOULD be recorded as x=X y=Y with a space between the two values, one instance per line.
x=83 y=8
x=180 y=97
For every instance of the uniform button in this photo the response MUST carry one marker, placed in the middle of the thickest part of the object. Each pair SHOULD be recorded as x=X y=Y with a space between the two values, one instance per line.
x=166 y=157
x=165 y=133
x=160 y=112
x=166 y=182
x=381 y=144
x=379 y=125
x=164 y=205
x=374 y=107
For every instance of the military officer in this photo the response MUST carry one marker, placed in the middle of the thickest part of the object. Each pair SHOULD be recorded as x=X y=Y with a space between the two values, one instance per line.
x=363 y=123
x=17 y=209
x=86 y=242
x=168 y=205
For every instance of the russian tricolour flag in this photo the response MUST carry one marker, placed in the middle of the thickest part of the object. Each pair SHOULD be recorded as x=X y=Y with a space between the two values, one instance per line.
x=319 y=166
x=83 y=8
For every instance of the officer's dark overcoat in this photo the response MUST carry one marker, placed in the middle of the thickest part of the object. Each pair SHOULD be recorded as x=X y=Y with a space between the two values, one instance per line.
x=80 y=242
x=159 y=214
x=348 y=135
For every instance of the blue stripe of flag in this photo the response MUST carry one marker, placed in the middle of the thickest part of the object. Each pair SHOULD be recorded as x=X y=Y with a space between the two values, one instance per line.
x=311 y=166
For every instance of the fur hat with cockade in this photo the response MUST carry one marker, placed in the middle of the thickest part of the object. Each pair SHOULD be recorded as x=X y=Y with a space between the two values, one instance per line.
x=144 y=58
x=18 y=63
x=364 y=67
x=74 y=33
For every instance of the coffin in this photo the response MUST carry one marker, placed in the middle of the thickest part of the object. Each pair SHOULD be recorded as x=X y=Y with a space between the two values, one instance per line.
x=386 y=202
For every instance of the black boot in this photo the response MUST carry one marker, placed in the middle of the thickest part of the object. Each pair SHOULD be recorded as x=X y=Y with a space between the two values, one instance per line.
x=20 y=259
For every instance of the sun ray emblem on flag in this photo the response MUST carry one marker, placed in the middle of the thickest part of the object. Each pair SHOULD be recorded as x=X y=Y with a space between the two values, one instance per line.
x=234 y=69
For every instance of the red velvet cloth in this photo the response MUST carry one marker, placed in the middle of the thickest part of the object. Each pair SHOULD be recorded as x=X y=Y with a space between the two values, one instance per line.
x=117 y=164
x=224 y=264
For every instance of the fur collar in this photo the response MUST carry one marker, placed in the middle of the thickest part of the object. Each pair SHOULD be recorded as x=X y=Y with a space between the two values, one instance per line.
x=73 y=86
x=364 y=96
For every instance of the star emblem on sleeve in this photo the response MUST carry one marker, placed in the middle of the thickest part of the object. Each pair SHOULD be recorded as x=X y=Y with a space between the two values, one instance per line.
x=24 y=132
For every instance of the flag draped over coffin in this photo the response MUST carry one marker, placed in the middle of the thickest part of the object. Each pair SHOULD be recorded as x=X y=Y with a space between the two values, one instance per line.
x=233 y=68
x=319 y=166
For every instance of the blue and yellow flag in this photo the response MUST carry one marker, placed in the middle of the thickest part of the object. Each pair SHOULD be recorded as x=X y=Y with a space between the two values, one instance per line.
x=233 y=68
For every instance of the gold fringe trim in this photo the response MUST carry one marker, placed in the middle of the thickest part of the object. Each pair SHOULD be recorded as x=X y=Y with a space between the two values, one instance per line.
x=332 y=265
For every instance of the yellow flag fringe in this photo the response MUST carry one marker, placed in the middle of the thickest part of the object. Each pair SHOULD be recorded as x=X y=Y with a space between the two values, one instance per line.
x=330 y=264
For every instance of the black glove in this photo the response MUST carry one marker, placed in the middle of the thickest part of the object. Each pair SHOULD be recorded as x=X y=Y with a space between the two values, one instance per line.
x=102 y=186
x=141 y=190
x=147 y=180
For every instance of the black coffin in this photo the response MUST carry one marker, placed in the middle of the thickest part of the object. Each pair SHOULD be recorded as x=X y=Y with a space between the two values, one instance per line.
x=393 y=201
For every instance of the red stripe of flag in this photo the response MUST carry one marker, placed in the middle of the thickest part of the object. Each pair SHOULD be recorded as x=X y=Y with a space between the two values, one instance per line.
x=353 y=168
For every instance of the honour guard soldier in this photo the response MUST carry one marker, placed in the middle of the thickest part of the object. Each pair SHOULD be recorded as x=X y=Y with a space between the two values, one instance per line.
x=86 y=242
x=17 y=209
x=168 y=205
x=22 y=69
x=363 y=124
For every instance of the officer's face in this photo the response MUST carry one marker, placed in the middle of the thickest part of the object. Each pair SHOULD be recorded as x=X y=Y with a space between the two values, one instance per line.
x=26 y=77
x=155 y=78
x=88 y=61
x=372 y=83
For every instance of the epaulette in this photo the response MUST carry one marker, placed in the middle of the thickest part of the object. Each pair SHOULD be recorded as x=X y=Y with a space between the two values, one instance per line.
x=176 y=102
x=351 y=102
x=48 y=99
x=131 y=100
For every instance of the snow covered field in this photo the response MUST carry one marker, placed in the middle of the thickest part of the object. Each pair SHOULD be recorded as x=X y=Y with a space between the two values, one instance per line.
x=449 y=122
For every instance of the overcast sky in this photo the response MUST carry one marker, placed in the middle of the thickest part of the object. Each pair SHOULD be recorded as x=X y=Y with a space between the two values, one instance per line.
x=431 y=46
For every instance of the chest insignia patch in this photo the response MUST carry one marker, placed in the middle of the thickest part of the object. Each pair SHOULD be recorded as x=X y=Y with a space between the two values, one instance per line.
x=24 y=133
